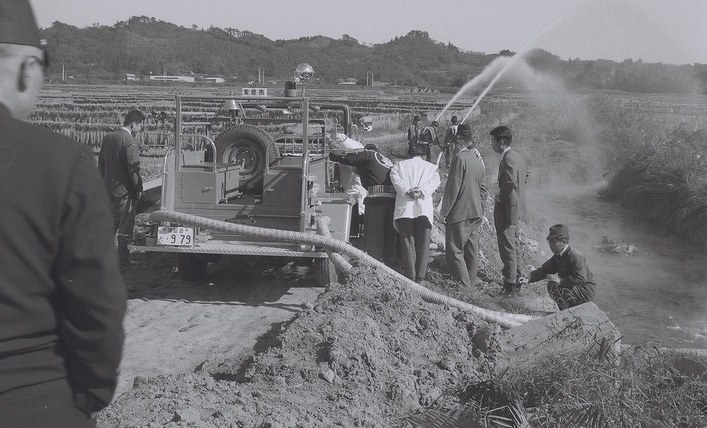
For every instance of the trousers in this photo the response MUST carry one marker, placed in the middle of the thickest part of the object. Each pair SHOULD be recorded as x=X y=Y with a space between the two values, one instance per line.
x=508 y=244
x=48 y=404
x=378 y=230
x=568 y=297
x=462 y=250
x=414 y=246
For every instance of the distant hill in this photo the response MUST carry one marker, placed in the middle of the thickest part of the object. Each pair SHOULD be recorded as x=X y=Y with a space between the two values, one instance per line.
x=144 y=46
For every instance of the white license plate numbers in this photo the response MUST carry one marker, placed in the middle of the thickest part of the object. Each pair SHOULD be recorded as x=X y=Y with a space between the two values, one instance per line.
x=175 y=236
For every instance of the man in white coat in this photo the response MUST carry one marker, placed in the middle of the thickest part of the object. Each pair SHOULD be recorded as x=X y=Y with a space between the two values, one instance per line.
x=414 y=180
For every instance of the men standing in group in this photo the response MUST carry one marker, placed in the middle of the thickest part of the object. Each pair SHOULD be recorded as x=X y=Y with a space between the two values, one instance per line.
x=428 y=137
x=62 y=299
x=119 y=163
x=450 y=142
x=462 y=210
x=414 y=180
x=413 y=133
x=374 y=170
x=508 y=206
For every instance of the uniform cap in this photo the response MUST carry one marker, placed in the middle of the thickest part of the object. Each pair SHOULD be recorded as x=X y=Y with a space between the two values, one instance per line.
x=559 y=231
x=435 y=123
x=371 y=146
x=17 y=23
x=416 y=118
x=464 y=129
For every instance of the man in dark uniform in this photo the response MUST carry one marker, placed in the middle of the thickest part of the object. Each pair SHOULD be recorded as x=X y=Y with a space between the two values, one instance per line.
x=576 y=284
x=62 y=299
x=413 y=133
x=508 y=206
x=462 y=209
x=374 y=171
x=119 y=163
x=450 y=142
x=428 y=137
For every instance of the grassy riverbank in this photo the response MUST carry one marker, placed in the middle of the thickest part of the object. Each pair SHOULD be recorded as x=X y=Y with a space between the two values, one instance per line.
x=665 y=178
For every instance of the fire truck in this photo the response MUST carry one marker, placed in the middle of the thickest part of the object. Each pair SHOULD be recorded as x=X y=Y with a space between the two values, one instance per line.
x=256 y=160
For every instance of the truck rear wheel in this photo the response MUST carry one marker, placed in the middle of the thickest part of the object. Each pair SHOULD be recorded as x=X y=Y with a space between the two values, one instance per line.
x=191 y=266
x=325 y=272
x=246 y=145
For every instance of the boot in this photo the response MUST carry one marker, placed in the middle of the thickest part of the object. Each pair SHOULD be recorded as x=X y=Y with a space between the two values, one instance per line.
x=509 y=288
x=124 y=251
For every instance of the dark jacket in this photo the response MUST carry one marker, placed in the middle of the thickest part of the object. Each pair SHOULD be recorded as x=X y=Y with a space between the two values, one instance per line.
x=465 y=190
x=572 y=269
x=511 y=184
x=429 y=135
x=413 y=132
x=119 y=163
x=373 y=167
x=62 y=299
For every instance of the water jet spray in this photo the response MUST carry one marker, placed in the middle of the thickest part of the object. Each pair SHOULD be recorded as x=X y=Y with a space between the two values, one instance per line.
x=489 y=69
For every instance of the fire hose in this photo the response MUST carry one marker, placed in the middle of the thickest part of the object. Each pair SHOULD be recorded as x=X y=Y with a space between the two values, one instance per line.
x=335 y=248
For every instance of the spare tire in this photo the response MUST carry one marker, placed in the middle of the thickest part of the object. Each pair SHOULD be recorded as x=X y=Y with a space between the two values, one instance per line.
x=246 y=144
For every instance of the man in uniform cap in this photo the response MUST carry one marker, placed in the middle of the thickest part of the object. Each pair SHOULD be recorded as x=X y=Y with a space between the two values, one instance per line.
x=374 y=171
x=428 y=137
x=462 y=210
x=576 y=284
x=62 y=299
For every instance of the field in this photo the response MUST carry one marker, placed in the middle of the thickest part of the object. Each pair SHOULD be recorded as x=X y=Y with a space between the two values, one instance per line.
x=394 y=355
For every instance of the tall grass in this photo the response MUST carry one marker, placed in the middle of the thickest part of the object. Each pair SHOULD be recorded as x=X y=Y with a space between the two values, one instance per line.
x=647 y=388
x=664 y=176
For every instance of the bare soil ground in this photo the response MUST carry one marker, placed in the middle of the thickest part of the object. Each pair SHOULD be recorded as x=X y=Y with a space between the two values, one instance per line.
x=257 y=344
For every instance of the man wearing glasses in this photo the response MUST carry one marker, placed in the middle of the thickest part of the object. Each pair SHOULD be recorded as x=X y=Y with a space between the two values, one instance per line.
x=62 y=299
x=576 y=284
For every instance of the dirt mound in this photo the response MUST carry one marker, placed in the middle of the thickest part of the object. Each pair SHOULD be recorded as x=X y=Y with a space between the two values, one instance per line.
x=366 y=353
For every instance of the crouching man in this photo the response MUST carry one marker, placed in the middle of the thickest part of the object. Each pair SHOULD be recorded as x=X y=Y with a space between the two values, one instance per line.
x=576 y=284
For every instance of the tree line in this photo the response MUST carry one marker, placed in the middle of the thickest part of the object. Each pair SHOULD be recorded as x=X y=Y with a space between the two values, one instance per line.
x=143 y=46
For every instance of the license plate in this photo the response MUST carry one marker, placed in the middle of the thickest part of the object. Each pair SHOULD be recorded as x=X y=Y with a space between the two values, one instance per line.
x=175 y=236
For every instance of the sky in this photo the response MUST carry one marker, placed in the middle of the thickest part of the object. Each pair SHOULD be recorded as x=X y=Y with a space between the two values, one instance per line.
x=668 y=31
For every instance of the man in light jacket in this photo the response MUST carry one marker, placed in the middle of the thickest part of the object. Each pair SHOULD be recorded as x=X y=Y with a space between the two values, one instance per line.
x=462 y=209
x=414 y=180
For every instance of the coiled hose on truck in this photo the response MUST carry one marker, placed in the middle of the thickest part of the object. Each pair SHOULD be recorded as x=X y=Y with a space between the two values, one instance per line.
x=334 y=246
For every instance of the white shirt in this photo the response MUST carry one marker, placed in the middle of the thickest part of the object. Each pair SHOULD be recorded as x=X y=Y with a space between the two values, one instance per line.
x=504 y=152
x=410 y=173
